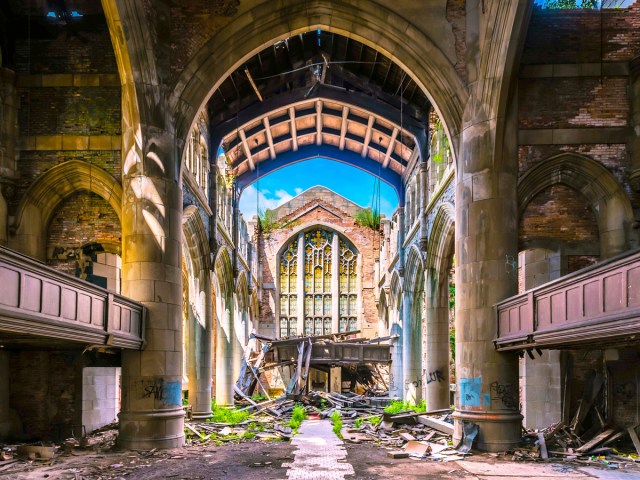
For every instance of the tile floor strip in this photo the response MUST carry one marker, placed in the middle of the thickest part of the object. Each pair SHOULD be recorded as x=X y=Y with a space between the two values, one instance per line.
x=320 y=454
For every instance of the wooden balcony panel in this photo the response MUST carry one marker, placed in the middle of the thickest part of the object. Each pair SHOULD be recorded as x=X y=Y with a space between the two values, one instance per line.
x=598 y=302
x=40 y=301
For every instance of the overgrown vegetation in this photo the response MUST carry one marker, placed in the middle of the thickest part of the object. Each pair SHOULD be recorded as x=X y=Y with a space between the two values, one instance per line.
x=298 y=415
x=336 y=420
x=397 y=406
x=228 y=415
x=592 y=4
x=368 y=218
x=267 y=221
x=440 y=149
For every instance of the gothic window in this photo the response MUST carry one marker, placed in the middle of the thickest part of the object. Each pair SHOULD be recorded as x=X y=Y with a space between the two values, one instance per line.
x=348 y=292
x=288 y=294
x=319 y=283
x=197 y=160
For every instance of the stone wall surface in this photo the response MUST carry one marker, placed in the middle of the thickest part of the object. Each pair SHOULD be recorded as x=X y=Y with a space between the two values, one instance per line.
x=321 y=209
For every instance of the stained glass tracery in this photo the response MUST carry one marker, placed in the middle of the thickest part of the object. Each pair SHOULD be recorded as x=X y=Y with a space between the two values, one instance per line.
x=319 y=258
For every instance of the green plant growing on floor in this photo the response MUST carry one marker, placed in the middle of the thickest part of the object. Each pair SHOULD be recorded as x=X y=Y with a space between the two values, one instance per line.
x=375 y=421
x=397 y=406
x=228 y=415
x=358 y=422
x=336 y=419
x=248 y=435
x=368 y=218
x=298 y=415
x=258 y=397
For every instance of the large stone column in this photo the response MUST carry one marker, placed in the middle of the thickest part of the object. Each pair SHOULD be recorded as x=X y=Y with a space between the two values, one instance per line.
x=486 y=232
x=396 y=389
x=412 y=346
x=437 y=365
x=5 y=417
x=152 y=413
x=201 y=397
x=634 y=131
x=224 y=350
x=8 y=135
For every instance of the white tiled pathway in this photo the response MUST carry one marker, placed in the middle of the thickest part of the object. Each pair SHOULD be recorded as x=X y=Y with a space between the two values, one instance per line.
x=319 y=455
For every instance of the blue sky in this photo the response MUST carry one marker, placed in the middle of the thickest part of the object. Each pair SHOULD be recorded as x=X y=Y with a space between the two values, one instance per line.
x=284 y=184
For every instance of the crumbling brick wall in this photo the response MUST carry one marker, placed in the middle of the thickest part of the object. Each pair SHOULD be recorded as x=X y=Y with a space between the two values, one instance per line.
x=323 y=210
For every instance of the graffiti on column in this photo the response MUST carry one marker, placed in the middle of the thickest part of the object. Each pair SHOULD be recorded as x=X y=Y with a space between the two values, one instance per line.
x=435 y=376
x=505 y=393
x=392 y=384
x=170 y=393
x=153 y=389
x=416 y=383
x=470 y=392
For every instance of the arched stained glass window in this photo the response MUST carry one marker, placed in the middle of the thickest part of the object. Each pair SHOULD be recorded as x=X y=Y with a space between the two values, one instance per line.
x=319 y=269
x=288 y=295
x=348 y=293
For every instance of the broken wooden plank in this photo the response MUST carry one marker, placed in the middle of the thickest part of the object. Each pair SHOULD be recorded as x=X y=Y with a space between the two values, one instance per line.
x=595 y=441
x=634 y=438
x=436 y=424
x=543 y=446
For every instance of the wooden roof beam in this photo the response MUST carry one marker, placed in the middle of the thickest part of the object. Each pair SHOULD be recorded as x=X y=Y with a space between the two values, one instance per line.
x=267 y=131
x=294 y=129
x=319 y=122
x=343 y=126
x=247 y=150
x=392 y=143
x=367 y=137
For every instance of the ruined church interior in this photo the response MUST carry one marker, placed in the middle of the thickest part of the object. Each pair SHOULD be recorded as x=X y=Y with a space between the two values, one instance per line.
x=412 y=226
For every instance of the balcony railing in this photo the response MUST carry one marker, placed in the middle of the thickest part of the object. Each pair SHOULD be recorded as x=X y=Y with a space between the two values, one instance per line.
x=596 y=305
x=40 y=301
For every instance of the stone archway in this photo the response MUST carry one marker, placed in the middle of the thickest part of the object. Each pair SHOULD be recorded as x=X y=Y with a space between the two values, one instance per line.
x=595 y=183
x=438 y=264
x=412 y=326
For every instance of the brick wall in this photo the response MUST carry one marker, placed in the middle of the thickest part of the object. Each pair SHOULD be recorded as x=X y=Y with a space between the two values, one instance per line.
x=574 y=79
x=560 y=214
x=578 y=32
x=43 y=392
x=364 y=240
x=81 y=218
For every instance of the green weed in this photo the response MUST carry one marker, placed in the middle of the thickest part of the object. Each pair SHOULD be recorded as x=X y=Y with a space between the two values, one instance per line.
x=336 y=419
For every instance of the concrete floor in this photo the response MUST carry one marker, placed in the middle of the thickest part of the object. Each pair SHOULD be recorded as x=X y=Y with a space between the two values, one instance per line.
x=315 y=453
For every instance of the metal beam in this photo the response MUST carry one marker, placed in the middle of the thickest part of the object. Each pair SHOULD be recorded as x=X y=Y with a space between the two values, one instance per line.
x=392 y=142
x=367 y=137
x=247 y=150
x=267 y=130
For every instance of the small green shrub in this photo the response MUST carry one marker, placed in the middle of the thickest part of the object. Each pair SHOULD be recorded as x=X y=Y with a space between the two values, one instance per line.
x=358 y=422
x=298 y=415
x=375 y=421
x=369 y=218
x=228 y=415
x=248 y=435
x=336 y=419
x=397 y=406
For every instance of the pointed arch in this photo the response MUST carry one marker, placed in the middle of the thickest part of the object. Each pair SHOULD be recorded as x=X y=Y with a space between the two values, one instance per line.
x=195 y=238
x=224 y=273
x=595 y=183
x=441 y=239
x=66 y=178
x=414 y=271
x=396 y=290
x=379 y=27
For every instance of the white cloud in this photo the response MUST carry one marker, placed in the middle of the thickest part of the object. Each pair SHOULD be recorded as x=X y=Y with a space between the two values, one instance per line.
x=250 y=201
